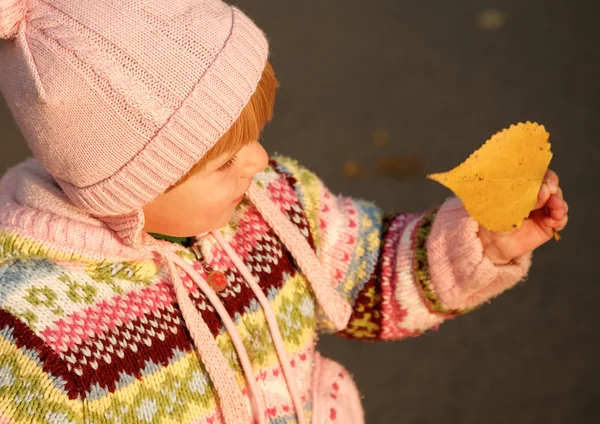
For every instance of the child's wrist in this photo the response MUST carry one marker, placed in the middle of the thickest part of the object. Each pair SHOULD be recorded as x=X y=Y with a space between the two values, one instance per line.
x=490 y=248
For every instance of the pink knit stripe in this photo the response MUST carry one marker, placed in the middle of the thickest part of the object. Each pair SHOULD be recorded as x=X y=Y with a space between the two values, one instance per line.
x=73 y=330
x=341 y=236
x=333 y=382
x=188 y=134
x=392 y=312
x=210 y=418
x=317 y=372
x=300 y=359
x=278 y=406
x=272 y=382
x=342 y=248
x=282 y=194
x=251 y=230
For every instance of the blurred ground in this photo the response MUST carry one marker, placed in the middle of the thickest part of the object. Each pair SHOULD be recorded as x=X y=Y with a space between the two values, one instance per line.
x=439 y=78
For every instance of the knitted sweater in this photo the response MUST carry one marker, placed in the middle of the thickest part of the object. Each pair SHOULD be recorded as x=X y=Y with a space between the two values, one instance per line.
x=91 y=330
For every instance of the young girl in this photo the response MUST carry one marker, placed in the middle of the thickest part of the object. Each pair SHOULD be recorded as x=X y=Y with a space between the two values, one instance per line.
x=156 y=267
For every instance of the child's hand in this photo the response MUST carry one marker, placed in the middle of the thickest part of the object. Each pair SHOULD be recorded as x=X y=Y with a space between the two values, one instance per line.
x=550 y=214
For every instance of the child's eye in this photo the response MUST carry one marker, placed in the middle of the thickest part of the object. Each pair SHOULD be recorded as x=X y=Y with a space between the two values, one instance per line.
x=227 y=165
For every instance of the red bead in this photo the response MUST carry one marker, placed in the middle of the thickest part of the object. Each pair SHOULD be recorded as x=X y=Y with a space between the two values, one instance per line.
x=217 y=281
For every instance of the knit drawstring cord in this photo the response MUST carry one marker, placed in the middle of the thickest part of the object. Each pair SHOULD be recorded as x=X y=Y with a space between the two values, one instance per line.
x=273 y=326
x=231 y=397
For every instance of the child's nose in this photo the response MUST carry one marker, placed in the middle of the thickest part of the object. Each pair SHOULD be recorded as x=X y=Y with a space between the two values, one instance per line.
x=258 y=159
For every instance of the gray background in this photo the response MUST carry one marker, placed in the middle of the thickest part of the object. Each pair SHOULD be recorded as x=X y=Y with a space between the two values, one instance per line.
x=427 y=73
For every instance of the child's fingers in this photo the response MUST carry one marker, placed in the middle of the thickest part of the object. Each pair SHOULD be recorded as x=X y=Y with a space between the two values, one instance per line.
x=558 y=214
x=556 y=201
x=559 y=193
x=551 y=178
x=562 y=223
x=558 y=225
x=543 y=196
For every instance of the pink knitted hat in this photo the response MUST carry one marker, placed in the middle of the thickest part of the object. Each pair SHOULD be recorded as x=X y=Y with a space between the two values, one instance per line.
x=119 y=99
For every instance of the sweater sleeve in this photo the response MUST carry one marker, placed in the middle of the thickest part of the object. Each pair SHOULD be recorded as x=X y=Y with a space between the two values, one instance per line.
x=34 y=383
x=402 y=273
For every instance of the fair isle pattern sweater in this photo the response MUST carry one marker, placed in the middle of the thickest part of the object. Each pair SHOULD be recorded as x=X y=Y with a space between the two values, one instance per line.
x=92 y=339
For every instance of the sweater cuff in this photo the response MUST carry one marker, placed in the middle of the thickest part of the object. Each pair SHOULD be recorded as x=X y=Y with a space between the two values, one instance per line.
x=460 y=277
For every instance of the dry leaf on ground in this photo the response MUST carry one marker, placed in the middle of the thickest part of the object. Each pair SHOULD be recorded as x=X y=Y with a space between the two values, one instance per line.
x=499 y=183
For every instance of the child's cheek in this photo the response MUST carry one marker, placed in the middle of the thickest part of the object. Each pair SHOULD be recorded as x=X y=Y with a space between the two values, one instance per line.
x=218 y=195
x=224 y=188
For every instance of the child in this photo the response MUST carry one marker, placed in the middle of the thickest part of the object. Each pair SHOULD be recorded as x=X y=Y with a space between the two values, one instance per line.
x=155 y=267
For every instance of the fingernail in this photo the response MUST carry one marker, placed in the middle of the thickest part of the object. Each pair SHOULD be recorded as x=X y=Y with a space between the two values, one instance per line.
x=553 y=186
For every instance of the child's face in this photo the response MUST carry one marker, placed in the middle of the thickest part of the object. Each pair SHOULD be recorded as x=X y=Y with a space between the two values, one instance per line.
x=206 y=200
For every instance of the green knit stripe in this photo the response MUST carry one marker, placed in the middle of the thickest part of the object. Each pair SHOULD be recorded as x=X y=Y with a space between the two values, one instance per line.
x=421 y=268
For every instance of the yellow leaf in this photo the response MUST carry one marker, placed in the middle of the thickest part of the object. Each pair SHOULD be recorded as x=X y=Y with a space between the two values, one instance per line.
x=499 y=183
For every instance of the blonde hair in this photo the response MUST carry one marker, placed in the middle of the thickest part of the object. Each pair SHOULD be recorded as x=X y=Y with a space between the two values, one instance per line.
x=247 y=128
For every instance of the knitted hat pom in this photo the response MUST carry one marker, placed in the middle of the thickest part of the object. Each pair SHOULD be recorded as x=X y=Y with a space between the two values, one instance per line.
x=12 y=12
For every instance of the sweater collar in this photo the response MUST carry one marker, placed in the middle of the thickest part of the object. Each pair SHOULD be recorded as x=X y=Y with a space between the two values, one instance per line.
x=33 y=206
